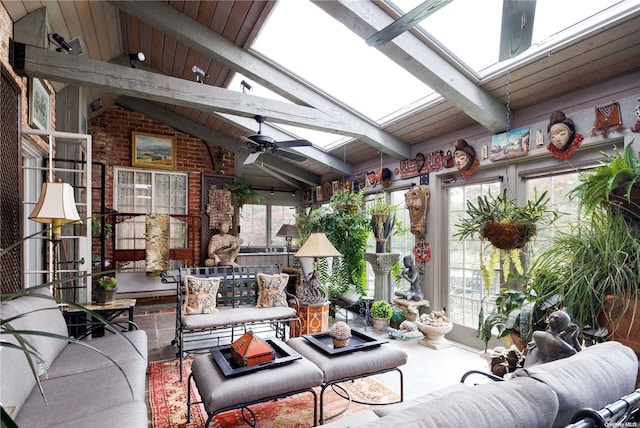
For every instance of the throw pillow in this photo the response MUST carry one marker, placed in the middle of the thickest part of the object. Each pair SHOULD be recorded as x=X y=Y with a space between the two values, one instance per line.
x=200 y=295
x=271 y=290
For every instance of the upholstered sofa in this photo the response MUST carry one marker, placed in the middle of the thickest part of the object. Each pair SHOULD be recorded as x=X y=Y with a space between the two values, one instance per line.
x=82 y=387
x=542 y=396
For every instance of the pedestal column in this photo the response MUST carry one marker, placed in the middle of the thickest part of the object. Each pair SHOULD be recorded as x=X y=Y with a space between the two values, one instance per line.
x=381 y=264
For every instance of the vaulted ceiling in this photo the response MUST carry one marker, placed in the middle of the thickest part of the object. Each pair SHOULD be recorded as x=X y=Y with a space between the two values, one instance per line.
x=216 y=36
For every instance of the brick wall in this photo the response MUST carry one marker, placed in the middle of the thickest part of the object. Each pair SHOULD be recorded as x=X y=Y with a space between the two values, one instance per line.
x=111 y=132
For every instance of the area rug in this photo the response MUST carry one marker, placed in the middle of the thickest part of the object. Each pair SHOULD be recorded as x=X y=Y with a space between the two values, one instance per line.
x=168 y=402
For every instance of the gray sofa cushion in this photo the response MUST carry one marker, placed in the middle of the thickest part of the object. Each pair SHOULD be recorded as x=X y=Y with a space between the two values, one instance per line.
x=421 y=400
x=77 y=358
x=522 y=403
x=43 y=315
x=594 y=377
x=17 y=379
x=81 y=396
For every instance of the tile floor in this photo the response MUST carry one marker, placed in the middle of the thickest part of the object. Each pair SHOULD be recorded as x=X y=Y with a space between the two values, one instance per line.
x=426 y=370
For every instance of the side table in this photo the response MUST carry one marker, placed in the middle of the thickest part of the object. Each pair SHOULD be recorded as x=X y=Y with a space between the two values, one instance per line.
x=81 y=325
x=313 y=319
x=349 y=366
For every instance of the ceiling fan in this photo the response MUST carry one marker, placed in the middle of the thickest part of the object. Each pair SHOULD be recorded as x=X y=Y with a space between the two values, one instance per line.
x=260 y=143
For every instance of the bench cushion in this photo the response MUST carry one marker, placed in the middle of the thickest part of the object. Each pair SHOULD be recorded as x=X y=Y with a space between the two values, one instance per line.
x=200 y=295
x=235 y=316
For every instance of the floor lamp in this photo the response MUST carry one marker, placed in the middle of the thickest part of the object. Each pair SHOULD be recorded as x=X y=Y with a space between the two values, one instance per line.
x=289 y=231
x=317 y=245
x=56 y=206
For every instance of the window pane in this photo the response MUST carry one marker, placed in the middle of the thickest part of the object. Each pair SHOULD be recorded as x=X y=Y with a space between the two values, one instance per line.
x=280 y=215
x=253 y=225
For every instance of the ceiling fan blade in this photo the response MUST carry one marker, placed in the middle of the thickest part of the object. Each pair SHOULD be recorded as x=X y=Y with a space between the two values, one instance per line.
x=293 y=143
x=289 y=155
x=406 y=21
x=517 y=27
x=251 y=158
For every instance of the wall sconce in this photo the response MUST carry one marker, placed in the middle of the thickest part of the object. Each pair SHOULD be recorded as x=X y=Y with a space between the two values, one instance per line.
x=56 y=206
x=60 y=42
x=95 y=105
x=135 y=57
x=271 y=191
x=198 y=74
x=317 y=245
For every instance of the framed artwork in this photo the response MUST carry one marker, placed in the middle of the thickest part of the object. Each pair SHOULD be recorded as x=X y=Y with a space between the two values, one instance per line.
x=512 y=144
x=153 y=151
x=39 y=105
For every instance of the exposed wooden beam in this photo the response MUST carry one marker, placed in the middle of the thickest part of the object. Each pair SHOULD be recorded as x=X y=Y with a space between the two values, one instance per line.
x=192 y=128
x=365 y=19
x=181 y=27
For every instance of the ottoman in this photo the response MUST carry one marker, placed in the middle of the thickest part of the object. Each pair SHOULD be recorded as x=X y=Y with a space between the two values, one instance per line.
x=348 y=366
x=220 y=393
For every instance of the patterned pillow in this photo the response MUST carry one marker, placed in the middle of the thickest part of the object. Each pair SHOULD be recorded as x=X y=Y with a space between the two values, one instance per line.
x=271 y=290
x=200 y=295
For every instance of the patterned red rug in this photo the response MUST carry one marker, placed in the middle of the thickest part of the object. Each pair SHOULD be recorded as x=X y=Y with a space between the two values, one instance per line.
x=168 y=402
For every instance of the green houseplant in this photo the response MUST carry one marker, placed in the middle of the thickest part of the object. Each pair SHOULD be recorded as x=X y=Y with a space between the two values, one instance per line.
x=107 y=287
x=242 y=192
x=381 y=312
x=507 y=226
x=615 y=181
x=383 y=218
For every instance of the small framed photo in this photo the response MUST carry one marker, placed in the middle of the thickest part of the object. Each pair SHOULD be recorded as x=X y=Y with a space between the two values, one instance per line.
x=39 y=105
x=153 y=151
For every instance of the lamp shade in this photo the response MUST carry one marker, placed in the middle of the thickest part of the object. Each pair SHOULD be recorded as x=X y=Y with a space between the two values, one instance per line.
x=288 y=230
x=56 y=205
x=318 y=245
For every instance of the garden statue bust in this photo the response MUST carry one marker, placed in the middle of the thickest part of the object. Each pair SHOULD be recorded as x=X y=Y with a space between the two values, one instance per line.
x=223 y=248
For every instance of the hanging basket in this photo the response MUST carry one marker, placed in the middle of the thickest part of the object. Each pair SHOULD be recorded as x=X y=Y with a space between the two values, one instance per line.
x=508 y=236
x=630 y=208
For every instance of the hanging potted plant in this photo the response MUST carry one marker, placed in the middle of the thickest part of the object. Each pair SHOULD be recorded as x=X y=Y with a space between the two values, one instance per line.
x=507 y=226
x=383 y=217
x=242 y=192
x=615 y=182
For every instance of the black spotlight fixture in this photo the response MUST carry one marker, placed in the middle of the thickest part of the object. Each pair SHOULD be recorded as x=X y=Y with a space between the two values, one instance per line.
x=245 y=86
x=60 y=42
x=198 y=74
x=135 y=57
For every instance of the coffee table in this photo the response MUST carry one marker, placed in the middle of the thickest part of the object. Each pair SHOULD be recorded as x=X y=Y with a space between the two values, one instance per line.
x=220 y=393
x=346 y=366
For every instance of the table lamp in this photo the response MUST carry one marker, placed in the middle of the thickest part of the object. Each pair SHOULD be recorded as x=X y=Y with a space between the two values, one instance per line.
x=56 y=206
x=317 y=245
x=289 y=231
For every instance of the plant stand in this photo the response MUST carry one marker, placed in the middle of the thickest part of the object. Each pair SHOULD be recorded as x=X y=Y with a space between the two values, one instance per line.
x=381 y=264
x=434 y=335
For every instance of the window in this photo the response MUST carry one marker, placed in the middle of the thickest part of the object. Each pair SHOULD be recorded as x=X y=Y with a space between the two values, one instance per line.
x=259 y=224
x=466 y=289
x=147 y=192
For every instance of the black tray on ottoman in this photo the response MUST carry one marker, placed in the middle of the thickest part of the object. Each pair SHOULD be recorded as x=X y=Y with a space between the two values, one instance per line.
x=222 y=356
x=358 y=341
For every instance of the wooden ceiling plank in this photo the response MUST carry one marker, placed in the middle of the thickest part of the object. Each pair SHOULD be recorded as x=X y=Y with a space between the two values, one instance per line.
x=157 y=49
x=209 y=43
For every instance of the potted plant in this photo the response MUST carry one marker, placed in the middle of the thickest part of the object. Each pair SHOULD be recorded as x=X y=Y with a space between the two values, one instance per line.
x=106 y=289
x=242 y=192
x=615 y=181
x=383 y=217
x=381 y=312
x=594 y=262
x=517 y=314
x=347 y=228
x=507 y=226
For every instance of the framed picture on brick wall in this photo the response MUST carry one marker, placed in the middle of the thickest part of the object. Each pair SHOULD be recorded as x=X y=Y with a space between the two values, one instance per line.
x=39 y=105
x=153 y=151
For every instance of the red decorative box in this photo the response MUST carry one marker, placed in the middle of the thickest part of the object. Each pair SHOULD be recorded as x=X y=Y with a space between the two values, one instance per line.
x=250 y=350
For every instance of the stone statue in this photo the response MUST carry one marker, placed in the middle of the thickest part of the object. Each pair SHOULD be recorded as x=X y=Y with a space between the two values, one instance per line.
x=412 y=275
x=223 y=248
x=416 y=199
x=560 y=340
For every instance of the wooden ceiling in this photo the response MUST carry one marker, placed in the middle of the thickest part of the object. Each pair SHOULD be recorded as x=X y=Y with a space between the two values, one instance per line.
x=109 y=31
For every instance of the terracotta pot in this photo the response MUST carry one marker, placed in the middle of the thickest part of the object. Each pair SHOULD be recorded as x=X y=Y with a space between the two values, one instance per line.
x=623 y=326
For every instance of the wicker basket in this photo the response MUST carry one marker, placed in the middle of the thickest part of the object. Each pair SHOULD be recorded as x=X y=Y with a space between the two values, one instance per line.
x=507 y=236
